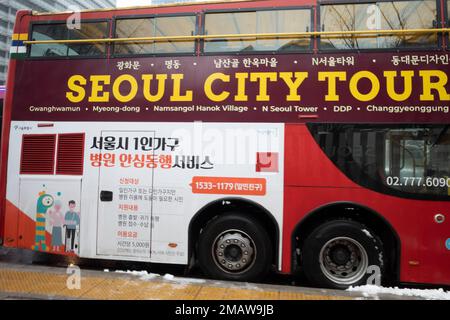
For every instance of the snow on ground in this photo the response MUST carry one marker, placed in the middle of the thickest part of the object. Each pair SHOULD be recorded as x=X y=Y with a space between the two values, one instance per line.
x=134 y=273
x=144 y=275
x=430 y=294
x=168 y=277
x=367 y=291
x=149 y=276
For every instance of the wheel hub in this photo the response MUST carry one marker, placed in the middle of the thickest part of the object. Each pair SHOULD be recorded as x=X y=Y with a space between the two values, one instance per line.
x=234 y=251
x=343 y=260
x=340 y=255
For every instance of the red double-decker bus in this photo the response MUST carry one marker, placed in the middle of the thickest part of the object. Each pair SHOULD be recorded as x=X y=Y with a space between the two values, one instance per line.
x=293 y=136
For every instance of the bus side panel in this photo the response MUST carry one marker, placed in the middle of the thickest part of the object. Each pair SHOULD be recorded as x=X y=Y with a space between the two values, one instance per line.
x=140 y=185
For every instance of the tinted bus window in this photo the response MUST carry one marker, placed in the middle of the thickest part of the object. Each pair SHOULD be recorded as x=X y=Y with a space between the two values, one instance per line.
x=88 y=31
x=134 y=28
x=392 y=15
x=277 y=21
x=56 y=31
x=49 y=32
x=412 y=160
x=155 y=27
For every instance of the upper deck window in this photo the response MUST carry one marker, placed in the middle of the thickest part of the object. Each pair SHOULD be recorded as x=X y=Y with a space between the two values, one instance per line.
x=155 y=27
x=89 y=31
x=390 y=15
x=252 y=22
x=59 y=31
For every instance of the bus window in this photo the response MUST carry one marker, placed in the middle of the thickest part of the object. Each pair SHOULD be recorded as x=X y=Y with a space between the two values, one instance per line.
x=411 y=161
x=134 y=28
x=390 y=15
x=274 y=21
x=155 y=27
x=91 y=30
x=418 y=160
x=59 y=31
x=175 y=26
x=49 y=32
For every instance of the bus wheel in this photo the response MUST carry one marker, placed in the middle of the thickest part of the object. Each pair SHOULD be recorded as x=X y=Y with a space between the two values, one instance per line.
x=234 y=247
x=342 y=253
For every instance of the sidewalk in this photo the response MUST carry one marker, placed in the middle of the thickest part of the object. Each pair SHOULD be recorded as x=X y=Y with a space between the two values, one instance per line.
x=38 y=282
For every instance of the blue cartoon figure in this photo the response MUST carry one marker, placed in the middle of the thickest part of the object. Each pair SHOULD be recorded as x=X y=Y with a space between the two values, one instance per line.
x=72 y=220
x=45 y=201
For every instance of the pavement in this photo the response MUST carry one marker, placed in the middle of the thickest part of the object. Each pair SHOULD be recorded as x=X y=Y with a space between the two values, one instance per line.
x=23 y=275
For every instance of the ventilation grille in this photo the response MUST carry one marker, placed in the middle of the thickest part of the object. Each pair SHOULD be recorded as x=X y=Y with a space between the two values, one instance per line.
x=69 y=159
x=38 y=154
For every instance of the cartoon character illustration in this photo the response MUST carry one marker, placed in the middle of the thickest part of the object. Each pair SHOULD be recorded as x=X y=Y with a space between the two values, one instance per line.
x=56 y=221
x=72 y=220
x=45 y=201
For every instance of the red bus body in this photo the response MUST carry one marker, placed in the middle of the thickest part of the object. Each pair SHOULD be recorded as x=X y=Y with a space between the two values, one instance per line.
x=312 y=182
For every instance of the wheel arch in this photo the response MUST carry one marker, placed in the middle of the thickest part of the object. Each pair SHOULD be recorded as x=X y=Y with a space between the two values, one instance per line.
x=222 y=206
x=356 y=212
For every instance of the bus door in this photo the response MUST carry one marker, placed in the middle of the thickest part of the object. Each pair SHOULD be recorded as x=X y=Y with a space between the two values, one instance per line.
x=125 y=188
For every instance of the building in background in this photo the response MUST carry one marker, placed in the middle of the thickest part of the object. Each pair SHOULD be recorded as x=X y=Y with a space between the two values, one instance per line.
x=8 y=9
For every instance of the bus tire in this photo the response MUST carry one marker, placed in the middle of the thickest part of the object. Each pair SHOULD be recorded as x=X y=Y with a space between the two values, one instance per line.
x=234 y=247
x=343 y=253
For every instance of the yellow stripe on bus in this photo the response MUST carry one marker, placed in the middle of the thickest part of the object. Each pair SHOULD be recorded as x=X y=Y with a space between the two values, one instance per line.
x=250 y=36
x=20 y=36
